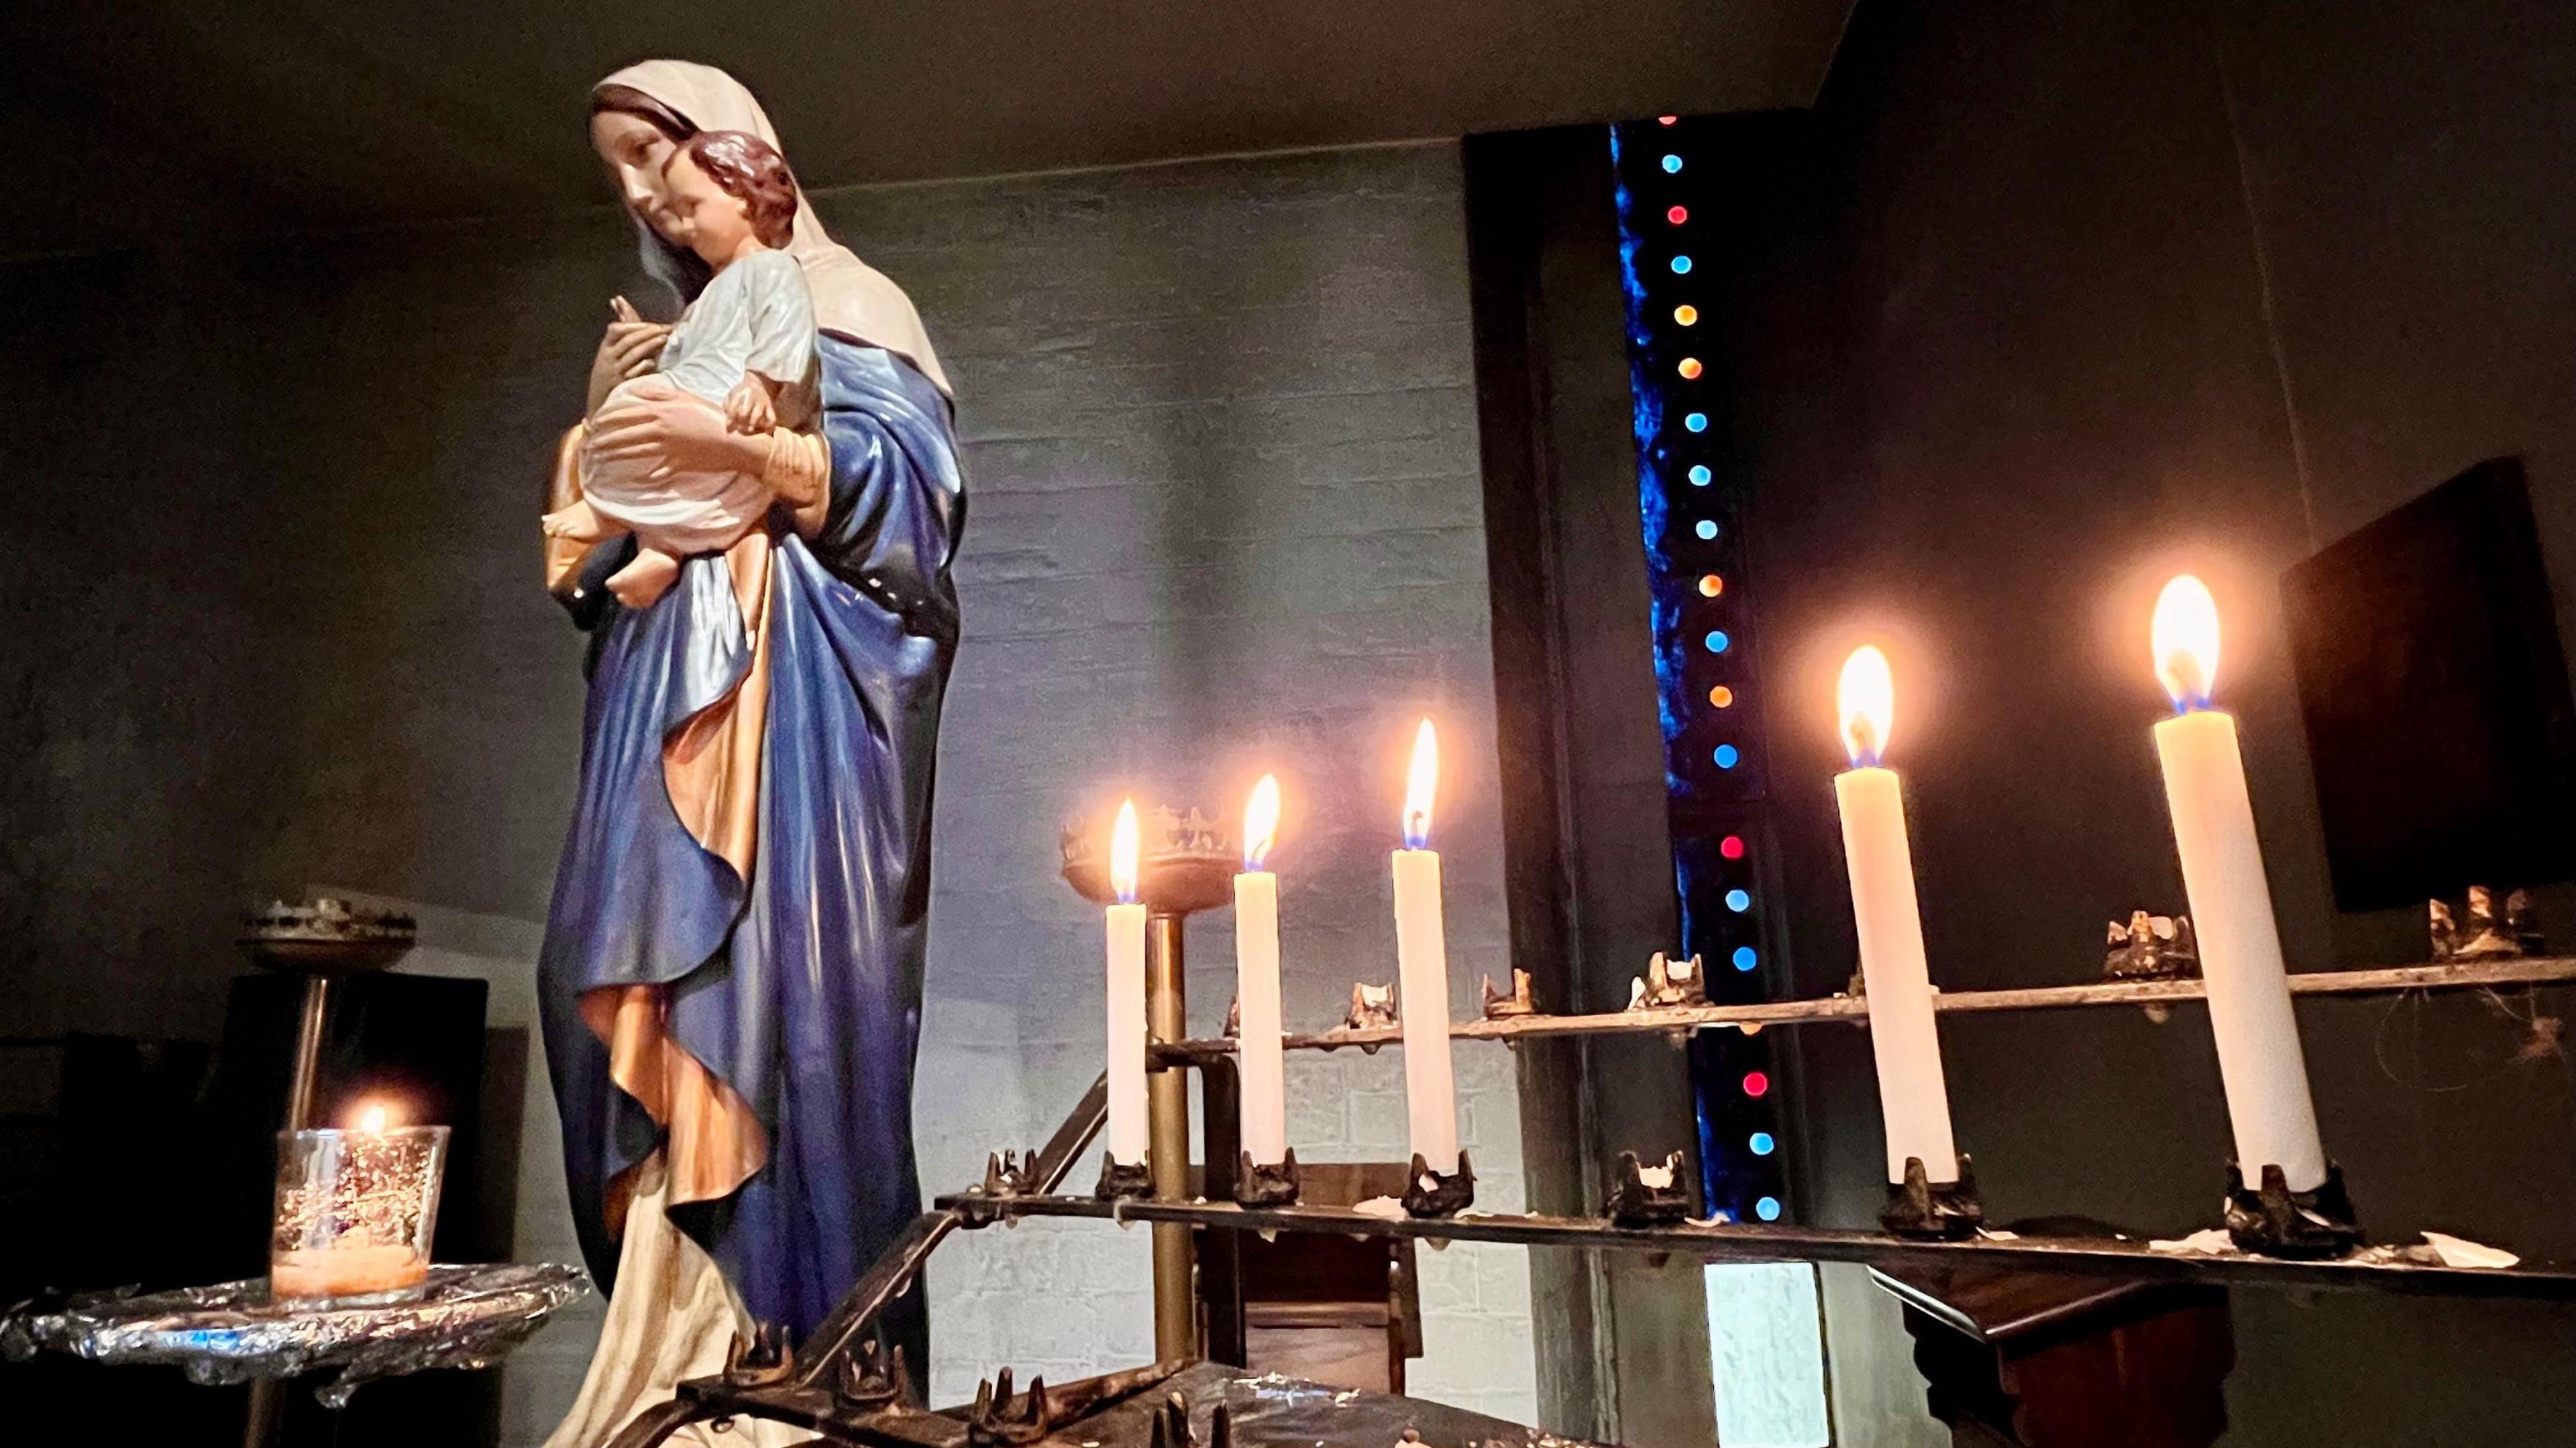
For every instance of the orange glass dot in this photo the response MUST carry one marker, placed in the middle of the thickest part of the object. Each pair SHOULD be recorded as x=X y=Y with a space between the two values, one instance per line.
x=1710 y=585
x=1689 y=369
x=1722 y=696
x=1666 y=120
x=1750 y=1028
x=1686 y=314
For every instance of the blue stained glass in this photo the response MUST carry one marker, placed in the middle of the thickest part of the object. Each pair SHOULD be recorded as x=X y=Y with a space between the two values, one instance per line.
x=1768 y=1209
x=1738 y=901
x=1699 y=475
x=1672 y=164
x=1695 y=421
x=1717 y=641
x=1762 y=1143
x=1705 y=528
x=1744 y=957
x=1726 y=756
x=1681 y=266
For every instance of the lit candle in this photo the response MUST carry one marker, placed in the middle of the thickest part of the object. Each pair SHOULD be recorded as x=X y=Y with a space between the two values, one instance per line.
x=1256 y=983
x=1422 y=968
x=1911 y=1093
x=2259 y=1061
x=355 y=1208
x=1126 y=997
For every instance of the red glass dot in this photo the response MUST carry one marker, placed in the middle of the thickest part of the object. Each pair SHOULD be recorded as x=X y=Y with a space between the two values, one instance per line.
x=1732 y=847
x=1666 y=120
x=1678 y=215
x=1755 y=1083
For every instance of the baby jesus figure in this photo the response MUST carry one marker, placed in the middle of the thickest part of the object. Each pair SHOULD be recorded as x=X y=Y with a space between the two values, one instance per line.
x=746 y=345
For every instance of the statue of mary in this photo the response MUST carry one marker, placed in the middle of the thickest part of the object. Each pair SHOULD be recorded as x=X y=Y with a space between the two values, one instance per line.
x=732 y=968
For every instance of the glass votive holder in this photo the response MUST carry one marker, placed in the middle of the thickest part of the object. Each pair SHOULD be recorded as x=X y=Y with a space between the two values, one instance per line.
x=355 y=1210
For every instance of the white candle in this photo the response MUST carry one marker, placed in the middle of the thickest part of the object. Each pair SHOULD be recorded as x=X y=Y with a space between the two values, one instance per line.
x=2259 y=1061
x=1422 y=969
x=1912 y=1096
x=1126 y=998
x=1264 y=1088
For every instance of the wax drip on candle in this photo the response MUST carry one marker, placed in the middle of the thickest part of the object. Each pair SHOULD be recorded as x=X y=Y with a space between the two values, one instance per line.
x=1866 y=697
x=1420 y=781
x=2185 y=640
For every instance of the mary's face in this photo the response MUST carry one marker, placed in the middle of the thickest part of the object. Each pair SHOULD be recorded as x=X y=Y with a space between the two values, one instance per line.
x=634 y=150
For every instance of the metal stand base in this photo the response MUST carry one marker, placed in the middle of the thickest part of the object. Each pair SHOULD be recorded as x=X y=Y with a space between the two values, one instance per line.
x=1256 y=1185
x=1919 y=1207
x=1428 y=1193
x=2278 y=1222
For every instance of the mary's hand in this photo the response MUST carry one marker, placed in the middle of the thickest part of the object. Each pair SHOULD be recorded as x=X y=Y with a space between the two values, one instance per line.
x=678 y=432
x=627 y=349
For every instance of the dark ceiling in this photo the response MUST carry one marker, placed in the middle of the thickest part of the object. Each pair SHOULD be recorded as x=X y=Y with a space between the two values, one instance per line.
x=147 y=121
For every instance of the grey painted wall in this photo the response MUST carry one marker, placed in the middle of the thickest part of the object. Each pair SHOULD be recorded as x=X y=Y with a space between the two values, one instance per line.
x=2010 y=364
x=275 y=618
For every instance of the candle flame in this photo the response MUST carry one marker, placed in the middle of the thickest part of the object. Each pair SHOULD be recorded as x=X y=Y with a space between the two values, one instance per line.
x=1421 y=782
x=1122 y=853
x=372 y=1120
x=2185 y=640
x=1261 y=822
x=1867 y=698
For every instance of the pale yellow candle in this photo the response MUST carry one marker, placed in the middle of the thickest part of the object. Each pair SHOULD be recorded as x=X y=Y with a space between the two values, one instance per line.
x=2259 y=1061
x=1913 y=1098
x=1126 y=997
x=1422 y=968
x=1259 y=1062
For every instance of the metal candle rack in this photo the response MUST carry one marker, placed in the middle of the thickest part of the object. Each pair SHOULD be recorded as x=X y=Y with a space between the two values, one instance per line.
x=838 y=1380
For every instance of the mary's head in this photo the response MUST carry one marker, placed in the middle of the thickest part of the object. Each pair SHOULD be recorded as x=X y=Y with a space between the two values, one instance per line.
x=634 y=135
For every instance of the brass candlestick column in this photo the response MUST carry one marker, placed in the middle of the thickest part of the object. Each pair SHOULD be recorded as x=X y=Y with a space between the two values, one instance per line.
x=1167 y=1107
x=1185 y=863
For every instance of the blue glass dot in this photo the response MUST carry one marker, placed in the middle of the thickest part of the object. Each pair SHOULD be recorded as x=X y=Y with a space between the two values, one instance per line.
x=1681 y=266
x=1717 y=641
x=1672 y=164
x=1768 y=1209
x=1738 y=901
x=1696 y=421
x=1744 y=957
x=1762 y=1143
x=1700 y=475
x=1726 y=756
x=1705 y=528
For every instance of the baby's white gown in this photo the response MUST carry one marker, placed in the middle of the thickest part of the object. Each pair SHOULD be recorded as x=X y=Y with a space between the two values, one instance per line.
x=754 y=316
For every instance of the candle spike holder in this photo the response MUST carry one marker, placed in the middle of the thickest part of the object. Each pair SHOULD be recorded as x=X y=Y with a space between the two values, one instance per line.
x=1256 y=1185
x=1920 y=1208
x=873 y=1378
x=1428 y=1193
x=1123 y=1181
x=1500 y=1006
x=1638 y=1203
x=2277 y=1222
x=766 y=1359
x=1005 y=1175
x=1372 y=1007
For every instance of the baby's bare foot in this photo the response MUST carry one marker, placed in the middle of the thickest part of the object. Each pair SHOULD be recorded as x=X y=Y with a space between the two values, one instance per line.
x=579 y=523
x=641 y=584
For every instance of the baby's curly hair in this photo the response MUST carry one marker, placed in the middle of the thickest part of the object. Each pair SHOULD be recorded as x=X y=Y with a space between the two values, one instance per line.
x=750 y=170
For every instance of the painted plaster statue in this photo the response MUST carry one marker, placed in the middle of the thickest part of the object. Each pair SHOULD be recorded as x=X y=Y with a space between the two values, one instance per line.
x=732 y=969
x=745 y=344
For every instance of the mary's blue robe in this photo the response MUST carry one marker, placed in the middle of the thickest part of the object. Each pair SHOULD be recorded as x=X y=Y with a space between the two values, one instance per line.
x=799 y=987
